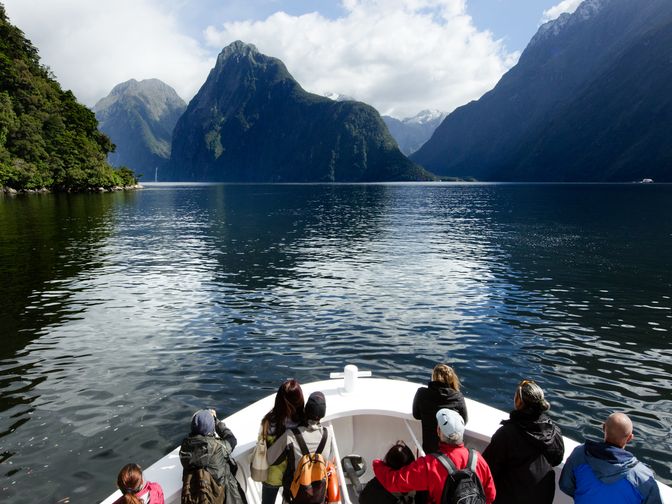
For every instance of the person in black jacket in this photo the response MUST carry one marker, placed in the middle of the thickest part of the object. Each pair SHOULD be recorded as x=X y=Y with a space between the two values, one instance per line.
x=524 y=450
x=443 y=391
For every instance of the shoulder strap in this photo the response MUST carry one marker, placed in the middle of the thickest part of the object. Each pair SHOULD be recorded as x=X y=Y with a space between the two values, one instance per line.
x=323 y=442
x=300 y=441
x=471 y=463
x=446 y=462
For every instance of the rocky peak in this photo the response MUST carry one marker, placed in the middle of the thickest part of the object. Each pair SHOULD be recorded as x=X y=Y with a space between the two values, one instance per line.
x=238 y=50
x=154 y=93
x=425 y=116
x=587 y=10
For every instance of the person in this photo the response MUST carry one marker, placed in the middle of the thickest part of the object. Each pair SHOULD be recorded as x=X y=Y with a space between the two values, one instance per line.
x=524 y=450
x=428 y=473
x=134 y=488
x=598 y=472
x=442 y=391
x=208 y=447
x=396 y=457
x=287 y=447
x=287 y=412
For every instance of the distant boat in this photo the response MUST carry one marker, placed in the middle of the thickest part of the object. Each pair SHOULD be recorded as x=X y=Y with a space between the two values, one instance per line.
x=647 y=181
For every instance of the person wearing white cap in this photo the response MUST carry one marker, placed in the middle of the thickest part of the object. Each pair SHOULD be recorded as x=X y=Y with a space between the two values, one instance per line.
x=428 y=473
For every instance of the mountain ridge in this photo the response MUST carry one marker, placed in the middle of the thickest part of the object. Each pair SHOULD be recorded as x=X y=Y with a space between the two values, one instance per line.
x=508 y=133
x=412 y=132
x=252 y=122
x=139 y=117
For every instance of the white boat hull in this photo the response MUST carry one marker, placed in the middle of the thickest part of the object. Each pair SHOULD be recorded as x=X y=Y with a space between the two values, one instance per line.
x=366 y=421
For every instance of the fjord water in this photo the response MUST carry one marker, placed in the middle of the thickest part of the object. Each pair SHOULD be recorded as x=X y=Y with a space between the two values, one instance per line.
x=123 y=313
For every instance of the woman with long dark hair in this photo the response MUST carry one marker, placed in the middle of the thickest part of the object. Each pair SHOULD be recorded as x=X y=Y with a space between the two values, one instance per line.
x=287 y=412
x=374 y=492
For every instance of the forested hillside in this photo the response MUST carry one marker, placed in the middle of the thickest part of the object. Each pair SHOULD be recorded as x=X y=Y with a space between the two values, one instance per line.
x=47 y=139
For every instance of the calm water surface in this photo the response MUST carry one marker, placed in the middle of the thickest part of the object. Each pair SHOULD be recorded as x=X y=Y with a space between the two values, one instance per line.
x=123 y=313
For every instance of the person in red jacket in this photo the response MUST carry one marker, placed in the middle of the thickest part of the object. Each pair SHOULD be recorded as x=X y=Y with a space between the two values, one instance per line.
x=427 y=473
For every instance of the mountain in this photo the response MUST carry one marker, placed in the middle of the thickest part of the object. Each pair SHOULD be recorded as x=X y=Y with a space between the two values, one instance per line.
x=587 y=101
x=47 y=139
x=338 y=97
x=139 y=118
x=412 y=132
x=252 y=122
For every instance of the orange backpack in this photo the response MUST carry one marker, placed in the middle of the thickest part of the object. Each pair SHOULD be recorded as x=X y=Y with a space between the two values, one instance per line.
x=309 y=483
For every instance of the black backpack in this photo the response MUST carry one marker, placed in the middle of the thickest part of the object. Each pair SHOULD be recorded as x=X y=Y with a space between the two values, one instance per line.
x=462 y=486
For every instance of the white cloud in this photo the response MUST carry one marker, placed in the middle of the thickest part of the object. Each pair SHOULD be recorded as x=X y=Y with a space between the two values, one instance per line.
x=401 y=56
x=565 y=6
x=93 y=45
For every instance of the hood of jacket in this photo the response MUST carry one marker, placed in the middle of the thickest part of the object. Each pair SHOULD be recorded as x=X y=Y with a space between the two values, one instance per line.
x=196 y=451
x=537 y=427
x=609 y=462
x=448 y=395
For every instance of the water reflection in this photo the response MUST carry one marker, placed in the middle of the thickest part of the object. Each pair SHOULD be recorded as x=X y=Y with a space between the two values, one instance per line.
x=127 y=312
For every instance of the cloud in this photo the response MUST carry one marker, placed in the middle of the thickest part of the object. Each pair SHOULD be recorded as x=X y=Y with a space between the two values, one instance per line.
x=565 y=6
x=401 y=56
x=93 y=45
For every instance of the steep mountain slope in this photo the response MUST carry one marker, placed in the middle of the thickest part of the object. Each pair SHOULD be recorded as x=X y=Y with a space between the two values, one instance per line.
x=139 y=118
x=47 y=139
x=411 y=132
x=575 y=107
x=252 y=122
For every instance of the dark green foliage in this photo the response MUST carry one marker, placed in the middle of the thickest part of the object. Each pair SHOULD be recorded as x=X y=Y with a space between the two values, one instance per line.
x=47 y=139
x=252 y=122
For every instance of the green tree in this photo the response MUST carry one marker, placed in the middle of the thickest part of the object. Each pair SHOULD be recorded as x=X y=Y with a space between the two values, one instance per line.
x=47 y=138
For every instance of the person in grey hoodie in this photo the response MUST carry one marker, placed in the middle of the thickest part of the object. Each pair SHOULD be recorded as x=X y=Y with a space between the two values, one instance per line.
x=604 y=472
x=287 y=447
x=524 y=450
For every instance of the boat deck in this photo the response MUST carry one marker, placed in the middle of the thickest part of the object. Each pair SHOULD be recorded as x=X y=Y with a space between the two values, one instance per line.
x=365 y=421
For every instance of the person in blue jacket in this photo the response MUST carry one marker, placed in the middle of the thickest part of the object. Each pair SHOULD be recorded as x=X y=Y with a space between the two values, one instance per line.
x=604 y=472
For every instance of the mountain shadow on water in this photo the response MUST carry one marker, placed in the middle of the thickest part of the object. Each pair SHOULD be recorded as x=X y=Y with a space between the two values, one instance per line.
x=252 y=122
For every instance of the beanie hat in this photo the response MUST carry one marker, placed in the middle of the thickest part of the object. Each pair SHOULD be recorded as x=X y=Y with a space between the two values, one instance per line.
x=203 y=423
x=450 y=422
x=316 y=406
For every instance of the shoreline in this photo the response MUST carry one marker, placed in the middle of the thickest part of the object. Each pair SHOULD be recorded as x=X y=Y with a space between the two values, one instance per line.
x=10 y=191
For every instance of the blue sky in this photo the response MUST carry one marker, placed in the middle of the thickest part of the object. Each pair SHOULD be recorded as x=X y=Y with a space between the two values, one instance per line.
x=401 y=56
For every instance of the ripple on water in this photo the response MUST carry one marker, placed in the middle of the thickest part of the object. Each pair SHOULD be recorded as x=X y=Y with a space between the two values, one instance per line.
x=181 y=298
